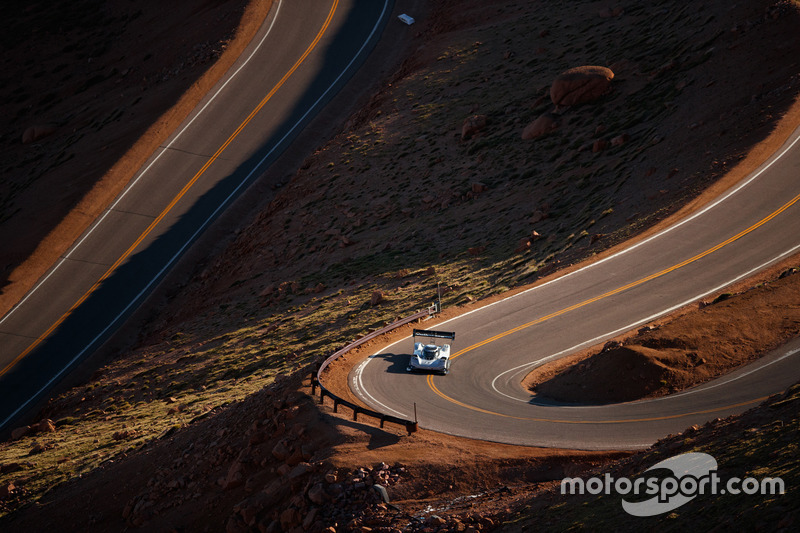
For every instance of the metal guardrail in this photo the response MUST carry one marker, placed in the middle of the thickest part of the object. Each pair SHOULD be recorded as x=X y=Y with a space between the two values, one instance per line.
x=410 y=425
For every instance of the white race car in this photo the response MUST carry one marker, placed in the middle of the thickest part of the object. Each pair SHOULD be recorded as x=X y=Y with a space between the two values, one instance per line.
x=431 y=357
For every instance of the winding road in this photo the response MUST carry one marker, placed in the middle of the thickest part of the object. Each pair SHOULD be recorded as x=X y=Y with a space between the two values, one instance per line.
x=303 y=55
x=305 y=52
x=753 y=225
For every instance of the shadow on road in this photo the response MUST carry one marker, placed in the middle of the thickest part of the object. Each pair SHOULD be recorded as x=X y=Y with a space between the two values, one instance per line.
x=398 y=363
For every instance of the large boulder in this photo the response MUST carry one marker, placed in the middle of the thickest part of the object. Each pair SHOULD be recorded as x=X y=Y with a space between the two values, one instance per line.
x=580 y=85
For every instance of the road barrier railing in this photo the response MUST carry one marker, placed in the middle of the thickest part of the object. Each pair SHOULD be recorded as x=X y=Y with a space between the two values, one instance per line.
x=316 y=381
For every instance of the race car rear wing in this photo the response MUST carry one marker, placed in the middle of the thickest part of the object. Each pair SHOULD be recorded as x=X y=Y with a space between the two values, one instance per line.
x=435 y=334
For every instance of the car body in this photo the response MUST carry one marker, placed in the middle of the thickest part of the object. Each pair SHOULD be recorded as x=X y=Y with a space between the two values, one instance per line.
x=429 y=356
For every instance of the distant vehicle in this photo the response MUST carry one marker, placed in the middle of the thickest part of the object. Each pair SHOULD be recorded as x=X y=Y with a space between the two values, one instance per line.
x=431 y=357
x=406 y=19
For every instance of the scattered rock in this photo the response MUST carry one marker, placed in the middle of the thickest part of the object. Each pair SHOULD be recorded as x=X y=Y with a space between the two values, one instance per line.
x=37 y=448
x=376 y=298
x=44 y=426
x=295 y=459
x=34 y=133
x=280 y=451
x=20 y=432
x=599 y=145
x=124 y=434
x=310 y=519
x=538 y=216
x=479 y=187
x=619 y=140
x=473 y=125
x=543 y=125
x=300 y=470
x=580 y=85
x=290 y=518
x=6 y=490
x=317 y=494
x=234 y=478
x=476 y=250
x=10 y=467
x=251 y=507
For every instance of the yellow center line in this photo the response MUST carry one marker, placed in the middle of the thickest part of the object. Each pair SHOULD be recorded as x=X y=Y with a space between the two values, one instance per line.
x=633 y=284
x=180 y=194
x=613 y=292
x=620 y=421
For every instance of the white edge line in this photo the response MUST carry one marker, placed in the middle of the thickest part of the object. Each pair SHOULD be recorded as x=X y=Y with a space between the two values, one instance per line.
x=199 y=229
x=133 y=183
x=362 y=392
x=533 y=364
x=774 y=159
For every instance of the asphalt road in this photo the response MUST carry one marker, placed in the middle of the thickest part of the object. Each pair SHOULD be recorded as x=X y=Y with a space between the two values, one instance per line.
x=303 y=55
x=755 y=224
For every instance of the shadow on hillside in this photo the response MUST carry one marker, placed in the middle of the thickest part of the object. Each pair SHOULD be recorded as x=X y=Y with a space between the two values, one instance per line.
x=378 y=438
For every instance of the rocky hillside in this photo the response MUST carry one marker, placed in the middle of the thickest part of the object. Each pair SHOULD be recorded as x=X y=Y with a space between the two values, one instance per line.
x=460 y=170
